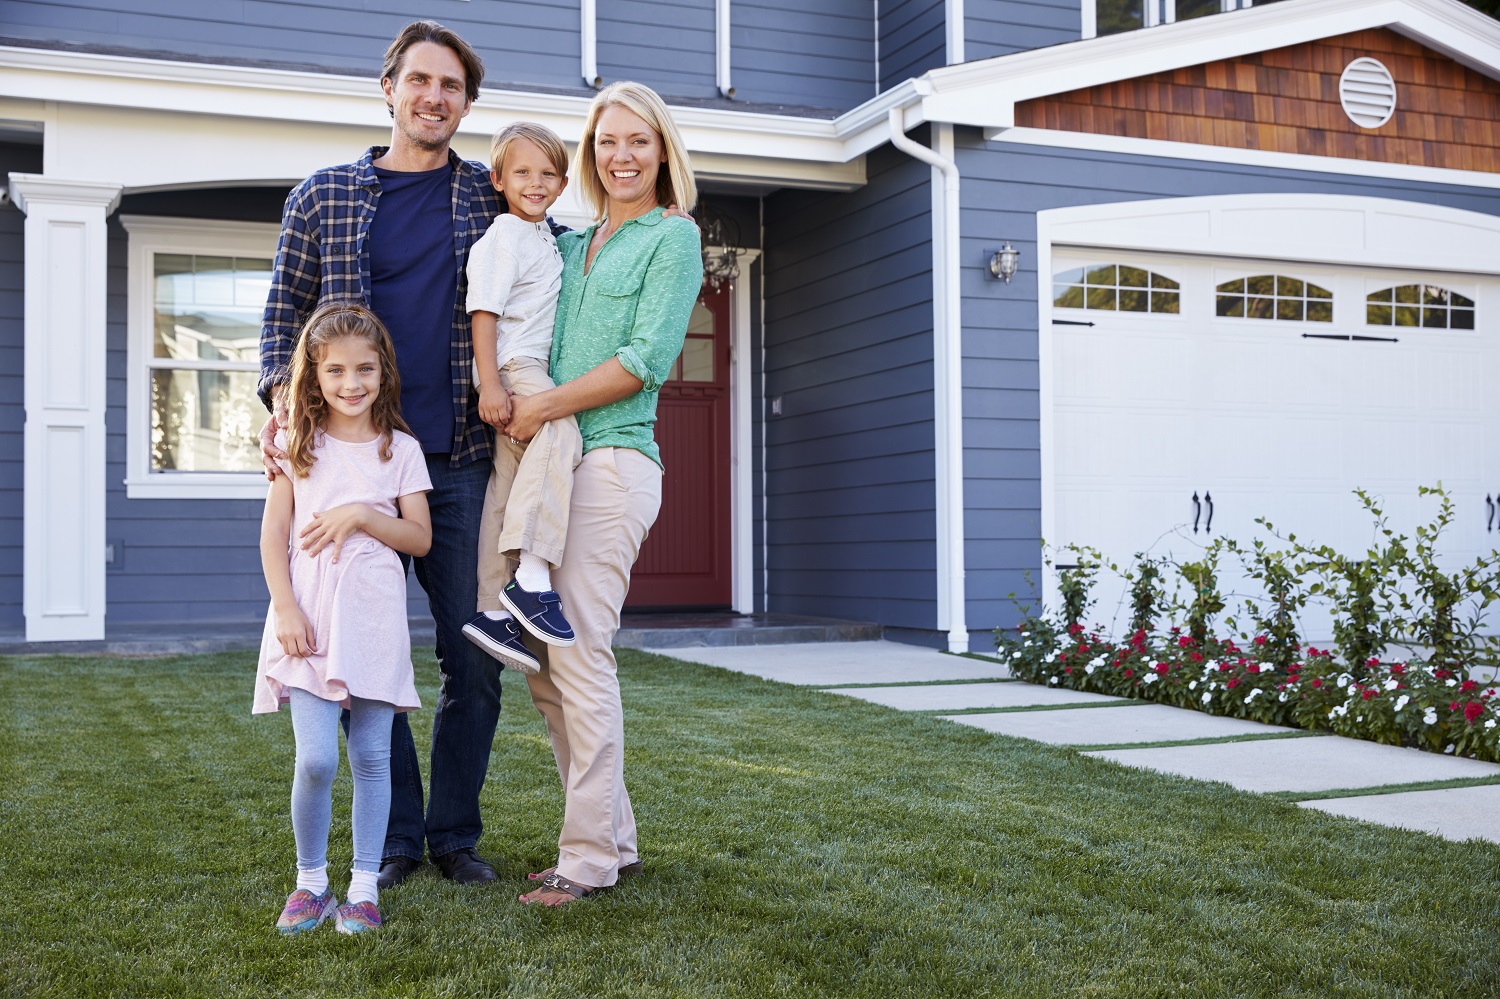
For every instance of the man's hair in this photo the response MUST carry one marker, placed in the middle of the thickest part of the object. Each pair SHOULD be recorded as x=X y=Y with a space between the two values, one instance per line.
x=546 y=140
x=431 y=31
x=675 y=184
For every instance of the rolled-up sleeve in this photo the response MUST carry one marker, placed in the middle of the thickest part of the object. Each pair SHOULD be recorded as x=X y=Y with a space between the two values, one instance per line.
x=295 y=279
x=668 y=291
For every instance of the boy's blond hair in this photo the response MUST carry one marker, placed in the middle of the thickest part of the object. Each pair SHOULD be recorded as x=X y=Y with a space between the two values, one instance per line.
x=546 y=140
x=675 y=184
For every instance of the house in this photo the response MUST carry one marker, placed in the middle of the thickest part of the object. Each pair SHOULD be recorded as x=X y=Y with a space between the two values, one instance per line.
x=1256 y=263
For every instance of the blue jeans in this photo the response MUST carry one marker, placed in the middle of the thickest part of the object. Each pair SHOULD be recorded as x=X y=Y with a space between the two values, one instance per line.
x=468 y=707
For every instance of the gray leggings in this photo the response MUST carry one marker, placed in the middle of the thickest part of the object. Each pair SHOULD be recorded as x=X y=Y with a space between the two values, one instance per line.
x=315 y=722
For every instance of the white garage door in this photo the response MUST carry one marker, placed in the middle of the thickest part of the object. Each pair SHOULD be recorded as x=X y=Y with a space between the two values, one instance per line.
x=1266 y=389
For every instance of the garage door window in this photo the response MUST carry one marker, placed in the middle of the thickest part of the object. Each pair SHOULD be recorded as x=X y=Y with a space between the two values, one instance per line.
x=1420 y=305
x=1276 y=297
x=1116 y=288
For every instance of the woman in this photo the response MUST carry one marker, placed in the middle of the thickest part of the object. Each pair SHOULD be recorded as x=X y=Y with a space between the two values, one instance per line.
x=628 y=288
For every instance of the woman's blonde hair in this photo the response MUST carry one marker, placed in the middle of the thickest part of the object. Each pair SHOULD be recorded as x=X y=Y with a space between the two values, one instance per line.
x=674 y=182
x=546 y=140
x=307 y=409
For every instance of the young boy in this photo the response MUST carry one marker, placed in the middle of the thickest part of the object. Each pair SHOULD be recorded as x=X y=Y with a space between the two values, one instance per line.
x=515 y=272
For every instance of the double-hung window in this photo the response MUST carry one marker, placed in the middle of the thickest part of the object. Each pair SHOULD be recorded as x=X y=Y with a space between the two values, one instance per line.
x=1109 y=17
x=196 y=293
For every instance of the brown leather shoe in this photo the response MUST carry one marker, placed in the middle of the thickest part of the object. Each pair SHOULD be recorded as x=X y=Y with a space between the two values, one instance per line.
x=465 y=866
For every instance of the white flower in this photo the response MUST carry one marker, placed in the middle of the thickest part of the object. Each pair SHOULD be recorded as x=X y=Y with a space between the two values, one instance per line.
x=1490 y=723
x=1016 y=654
x=1344 y=679
x=1392 y=684
x=1251 y=696
x=1207 y=696
x=1148 y=678
x=1282 y=697
x=1450 y=683
x=1026 y=644
x=1401 y=701
x=1267 y=667
x=1053 y=680
x=1430 y=717
x=1089 y=669
x=1211 y=665
x=1052 y=657
x=1025 y=634
x=1097 y=661
x=1449 y=748
x=1193 y=685
x=1339 y=711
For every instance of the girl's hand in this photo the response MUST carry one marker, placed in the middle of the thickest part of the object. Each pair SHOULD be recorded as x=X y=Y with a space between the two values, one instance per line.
x=333 y=527
x=494 y=405
x=295 y=632
x=525 y=418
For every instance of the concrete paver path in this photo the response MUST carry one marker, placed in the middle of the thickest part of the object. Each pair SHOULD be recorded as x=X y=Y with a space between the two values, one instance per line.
x=957 y=696
x=1455 y=813
x=1089 y=727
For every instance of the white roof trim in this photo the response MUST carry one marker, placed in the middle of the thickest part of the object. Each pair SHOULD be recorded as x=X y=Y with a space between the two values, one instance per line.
x=986 y=93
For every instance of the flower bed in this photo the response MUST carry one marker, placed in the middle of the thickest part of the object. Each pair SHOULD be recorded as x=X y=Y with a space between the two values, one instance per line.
x=1429 y=706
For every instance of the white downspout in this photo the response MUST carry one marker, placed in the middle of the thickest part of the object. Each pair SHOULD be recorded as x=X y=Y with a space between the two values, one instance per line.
x=590 y=45
x=947 y=339
x=954 y=16
x=721 y=47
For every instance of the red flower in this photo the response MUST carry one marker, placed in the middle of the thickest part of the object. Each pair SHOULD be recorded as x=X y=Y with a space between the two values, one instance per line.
x=1196 y=657
x=1139 y=636
x=1260 y=639
x=1225 y=667
x=1082 y=649
x=1473 y=710
x=1317 y=682
x=1467 y=686
x=1115 y=663
x=1161 y=669
x=1185 y=641
x=1441 y=674
x=1129 y=672
x=1067 y=669
x=1252 y=668
x=1452 y=705
x=1398 y=669
x=1368 y=694
x=1233 y=683
x=1312 y=650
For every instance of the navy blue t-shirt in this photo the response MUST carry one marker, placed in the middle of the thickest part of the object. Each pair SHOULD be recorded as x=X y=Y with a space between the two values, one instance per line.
x=413 y=282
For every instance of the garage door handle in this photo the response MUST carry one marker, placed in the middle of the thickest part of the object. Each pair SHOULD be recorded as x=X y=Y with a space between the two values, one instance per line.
x=1208 y=525
x=1489 y=520
x=1197 y=510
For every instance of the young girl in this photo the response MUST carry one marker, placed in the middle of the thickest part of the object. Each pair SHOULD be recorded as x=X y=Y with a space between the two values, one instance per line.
x=336 y=634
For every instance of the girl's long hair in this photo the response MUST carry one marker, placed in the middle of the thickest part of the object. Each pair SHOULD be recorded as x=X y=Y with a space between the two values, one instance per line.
x=308 y=409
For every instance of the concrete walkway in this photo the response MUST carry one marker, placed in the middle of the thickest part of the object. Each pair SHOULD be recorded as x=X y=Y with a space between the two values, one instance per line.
x=1367 y=781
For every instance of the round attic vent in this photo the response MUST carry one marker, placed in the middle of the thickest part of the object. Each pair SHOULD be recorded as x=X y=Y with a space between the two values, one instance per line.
x=1368 y=93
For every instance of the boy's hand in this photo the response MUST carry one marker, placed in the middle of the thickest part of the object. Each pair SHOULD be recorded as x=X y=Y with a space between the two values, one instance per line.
x=494 y=405
x=295 y=632
x=333 y=527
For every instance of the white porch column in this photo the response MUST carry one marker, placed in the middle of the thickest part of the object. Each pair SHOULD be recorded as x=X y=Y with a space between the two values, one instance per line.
x=64 y=403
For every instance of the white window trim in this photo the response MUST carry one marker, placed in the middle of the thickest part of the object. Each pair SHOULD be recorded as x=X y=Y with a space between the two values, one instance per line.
x=1155 y=12
x=150 y=235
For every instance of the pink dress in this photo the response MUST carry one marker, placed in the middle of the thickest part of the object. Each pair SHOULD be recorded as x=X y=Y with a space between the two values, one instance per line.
x=357 y=606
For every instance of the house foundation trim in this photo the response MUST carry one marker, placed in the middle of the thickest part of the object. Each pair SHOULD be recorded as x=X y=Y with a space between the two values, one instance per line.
x=64 y=485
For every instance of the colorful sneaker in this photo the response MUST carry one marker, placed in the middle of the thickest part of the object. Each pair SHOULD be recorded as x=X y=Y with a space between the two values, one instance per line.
x=304 y=910
x=540 y=612
x=357 y=917
x=502 y=639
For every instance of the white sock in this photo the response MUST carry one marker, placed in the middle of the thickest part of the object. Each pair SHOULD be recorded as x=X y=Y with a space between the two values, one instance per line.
x=500 y=615
x=534 y=574
x=315 y=880
x=362 y=886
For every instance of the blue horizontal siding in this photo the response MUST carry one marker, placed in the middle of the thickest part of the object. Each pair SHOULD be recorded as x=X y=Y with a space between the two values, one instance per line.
x=848 y=350
x=913 y=39
x=1000 y=27
x=806 y=55
x=19 y=159
x=666 y=44
x=533 y=43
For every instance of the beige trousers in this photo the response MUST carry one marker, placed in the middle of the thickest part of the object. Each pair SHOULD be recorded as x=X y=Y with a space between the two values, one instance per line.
x=526 y=501
x=616 y=496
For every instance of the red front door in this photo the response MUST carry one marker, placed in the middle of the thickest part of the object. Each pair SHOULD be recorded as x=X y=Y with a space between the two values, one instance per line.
x=686 y=560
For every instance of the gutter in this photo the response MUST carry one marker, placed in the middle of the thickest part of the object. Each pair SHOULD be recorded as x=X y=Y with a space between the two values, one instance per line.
x=947 y=375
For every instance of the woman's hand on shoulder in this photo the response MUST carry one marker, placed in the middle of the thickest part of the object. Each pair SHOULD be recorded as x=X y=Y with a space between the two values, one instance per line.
x=333 y=527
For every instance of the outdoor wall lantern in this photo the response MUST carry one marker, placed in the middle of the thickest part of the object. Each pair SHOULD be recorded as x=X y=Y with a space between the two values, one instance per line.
x=1005 y=261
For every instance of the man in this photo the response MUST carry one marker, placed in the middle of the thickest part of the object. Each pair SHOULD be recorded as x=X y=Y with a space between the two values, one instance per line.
x=393 y=230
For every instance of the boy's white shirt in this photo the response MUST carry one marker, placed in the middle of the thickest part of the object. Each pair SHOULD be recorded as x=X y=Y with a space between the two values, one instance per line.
x=515 y=271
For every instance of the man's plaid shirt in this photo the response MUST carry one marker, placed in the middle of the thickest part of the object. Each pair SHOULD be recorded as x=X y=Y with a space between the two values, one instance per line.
x=323 y=256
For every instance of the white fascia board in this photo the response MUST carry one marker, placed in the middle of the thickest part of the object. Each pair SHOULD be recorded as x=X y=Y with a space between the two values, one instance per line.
x=766 y=148
x=985 y=93
x=1204 y=152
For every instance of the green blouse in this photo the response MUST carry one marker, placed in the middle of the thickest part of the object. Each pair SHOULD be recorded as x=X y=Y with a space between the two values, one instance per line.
x=633 y=304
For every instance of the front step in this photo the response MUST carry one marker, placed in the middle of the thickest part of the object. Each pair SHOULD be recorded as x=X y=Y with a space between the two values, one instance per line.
x=713 y=629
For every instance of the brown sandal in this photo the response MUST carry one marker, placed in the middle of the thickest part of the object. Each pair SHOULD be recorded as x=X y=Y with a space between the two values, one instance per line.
x=630 y=870
x=559 y=886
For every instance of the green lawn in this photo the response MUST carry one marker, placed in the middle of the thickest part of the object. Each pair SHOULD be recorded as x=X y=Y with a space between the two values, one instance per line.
x=797 y=844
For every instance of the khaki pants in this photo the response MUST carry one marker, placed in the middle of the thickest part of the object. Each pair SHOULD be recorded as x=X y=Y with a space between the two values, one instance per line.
x=526 y=501
x=616 y=496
